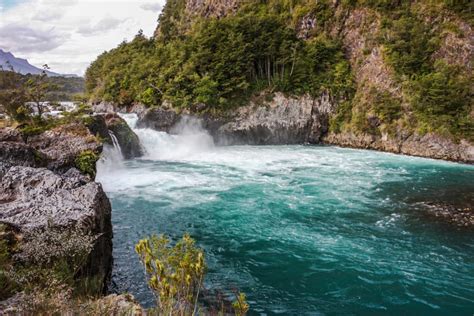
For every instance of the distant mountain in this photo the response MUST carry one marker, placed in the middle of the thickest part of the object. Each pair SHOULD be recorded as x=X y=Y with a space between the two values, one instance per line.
x=22 y=66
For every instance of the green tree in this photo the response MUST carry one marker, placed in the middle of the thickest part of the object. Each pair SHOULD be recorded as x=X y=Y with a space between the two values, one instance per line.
x=37 y=89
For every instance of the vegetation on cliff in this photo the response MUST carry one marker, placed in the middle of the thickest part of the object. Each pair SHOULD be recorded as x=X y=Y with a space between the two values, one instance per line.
x=206 y=61
x=220 y=62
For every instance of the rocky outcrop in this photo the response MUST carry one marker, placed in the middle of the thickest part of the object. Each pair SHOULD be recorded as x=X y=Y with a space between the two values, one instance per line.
x=212 y=8
x=113 y=305
x=98 y=127
x=428 y=146
x=20 y=154
x=37 y=198
x=159 y=119
x=62 y=145
x=458 y=216
x=127 y=139
x=15 y=152
x=283 y=120
x=288 y=120
x=41 y=188
x=104 y=107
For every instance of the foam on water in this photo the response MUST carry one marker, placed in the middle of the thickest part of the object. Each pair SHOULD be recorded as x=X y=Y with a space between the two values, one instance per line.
x=300 y=229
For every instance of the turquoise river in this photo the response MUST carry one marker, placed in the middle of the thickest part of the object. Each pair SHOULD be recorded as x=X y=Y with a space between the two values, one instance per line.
x=302 y=230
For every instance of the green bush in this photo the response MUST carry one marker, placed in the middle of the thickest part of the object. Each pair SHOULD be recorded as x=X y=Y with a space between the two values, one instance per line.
x=86 y=162
x=221 y=62
x=176 y=275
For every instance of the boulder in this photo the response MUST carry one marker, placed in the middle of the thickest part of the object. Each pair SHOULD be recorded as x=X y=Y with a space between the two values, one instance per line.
x=98 y=127
x=37 y=198
x=8 y=134
x=20 y=154
x=127 y=139
x=159 y=119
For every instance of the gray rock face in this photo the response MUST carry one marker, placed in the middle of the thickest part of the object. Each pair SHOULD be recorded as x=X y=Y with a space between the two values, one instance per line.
x=9 y=134
x=281 y=121
x=33 y=198
x=287 y=120
x=98 y=127
x=158 y=119
x=19 y=154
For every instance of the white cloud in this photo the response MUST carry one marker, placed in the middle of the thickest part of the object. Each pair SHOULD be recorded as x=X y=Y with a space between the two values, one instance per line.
x=104 y=25
x=69 y=35
x=152 y=6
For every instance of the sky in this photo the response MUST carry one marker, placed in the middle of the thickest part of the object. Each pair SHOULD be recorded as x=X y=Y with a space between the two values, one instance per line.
x=69 y=34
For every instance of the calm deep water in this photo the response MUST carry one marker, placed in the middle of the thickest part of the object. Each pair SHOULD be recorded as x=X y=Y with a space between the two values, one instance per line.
x=302 y=230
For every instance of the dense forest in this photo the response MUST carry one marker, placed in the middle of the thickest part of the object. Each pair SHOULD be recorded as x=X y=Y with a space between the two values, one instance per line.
x=214 y=63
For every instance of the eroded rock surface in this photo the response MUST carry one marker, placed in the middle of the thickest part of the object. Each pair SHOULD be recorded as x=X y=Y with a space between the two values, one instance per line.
x=62 y=145
x=159 y=119
x=36 y=198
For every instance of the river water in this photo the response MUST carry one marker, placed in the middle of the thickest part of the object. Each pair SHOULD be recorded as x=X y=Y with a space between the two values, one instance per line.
x=302 y=230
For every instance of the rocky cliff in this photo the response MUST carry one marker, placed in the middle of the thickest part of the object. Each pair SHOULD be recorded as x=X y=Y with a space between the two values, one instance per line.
x=47 y=182
x=392 y=76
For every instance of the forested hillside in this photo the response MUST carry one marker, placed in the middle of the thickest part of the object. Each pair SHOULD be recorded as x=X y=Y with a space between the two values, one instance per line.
x=392 y=67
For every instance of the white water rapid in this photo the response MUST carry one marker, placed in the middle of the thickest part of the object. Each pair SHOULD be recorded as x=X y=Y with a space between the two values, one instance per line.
x=302 y=230
x=186 y=139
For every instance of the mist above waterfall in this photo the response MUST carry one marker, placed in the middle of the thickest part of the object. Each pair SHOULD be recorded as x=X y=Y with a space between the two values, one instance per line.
x=186 y=138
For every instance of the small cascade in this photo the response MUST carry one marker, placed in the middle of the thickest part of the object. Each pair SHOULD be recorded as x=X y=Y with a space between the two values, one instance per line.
x=116 y=144
x=112 y=157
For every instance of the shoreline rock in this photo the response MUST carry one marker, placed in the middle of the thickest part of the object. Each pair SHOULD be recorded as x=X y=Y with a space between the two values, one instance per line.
x=426 y=146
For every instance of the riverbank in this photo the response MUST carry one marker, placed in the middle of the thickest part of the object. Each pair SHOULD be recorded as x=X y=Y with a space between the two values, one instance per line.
x=286 y=120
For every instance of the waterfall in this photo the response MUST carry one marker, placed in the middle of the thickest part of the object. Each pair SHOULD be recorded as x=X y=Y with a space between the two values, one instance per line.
x=112 y=158
x=188 y=139
x=116 y=144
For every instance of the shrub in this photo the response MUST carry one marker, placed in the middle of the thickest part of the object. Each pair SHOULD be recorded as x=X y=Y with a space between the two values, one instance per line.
x=86 y=162
x=175 y=273
x=442 y=100
x=240 y=305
